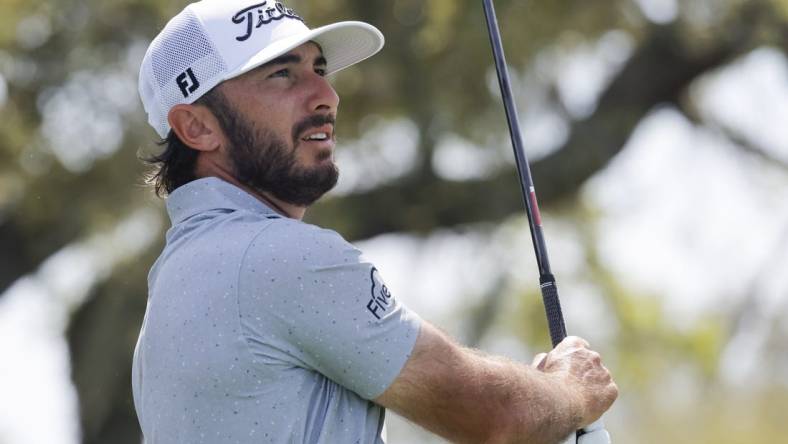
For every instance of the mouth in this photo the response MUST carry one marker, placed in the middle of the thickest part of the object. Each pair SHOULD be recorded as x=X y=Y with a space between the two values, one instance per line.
x=324 y=133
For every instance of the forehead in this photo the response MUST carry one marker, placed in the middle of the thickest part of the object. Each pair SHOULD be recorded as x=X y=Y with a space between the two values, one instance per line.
x=313 y=46
x=308 y=52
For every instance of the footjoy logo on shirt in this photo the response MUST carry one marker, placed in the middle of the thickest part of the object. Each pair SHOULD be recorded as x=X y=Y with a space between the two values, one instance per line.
x=255 y=16
x=380 y=300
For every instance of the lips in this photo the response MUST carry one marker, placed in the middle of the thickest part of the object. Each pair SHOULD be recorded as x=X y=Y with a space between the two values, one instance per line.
x=319 y=134
x=315 y=128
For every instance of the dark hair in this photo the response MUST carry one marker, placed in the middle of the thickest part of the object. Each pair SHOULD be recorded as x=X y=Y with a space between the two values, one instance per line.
x=175 y=166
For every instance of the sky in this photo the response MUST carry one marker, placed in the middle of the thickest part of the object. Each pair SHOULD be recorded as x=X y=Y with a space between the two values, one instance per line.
x=683 y=210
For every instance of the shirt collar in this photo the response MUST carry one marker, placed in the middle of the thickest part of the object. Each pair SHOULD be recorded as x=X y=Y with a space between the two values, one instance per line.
x=211 y=193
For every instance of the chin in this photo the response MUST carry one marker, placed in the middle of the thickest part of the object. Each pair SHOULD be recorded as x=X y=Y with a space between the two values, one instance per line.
x=323 y=156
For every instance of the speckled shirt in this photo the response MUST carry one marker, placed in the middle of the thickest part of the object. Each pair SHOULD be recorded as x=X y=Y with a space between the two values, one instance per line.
x=263 y=329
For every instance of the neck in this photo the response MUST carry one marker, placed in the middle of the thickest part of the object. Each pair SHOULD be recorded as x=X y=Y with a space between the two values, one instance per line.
x=285 y=209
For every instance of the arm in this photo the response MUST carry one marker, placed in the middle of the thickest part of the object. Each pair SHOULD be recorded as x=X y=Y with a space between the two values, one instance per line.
x=469 y=397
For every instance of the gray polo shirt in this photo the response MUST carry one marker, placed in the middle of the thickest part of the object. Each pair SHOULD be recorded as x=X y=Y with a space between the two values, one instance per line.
x=263 y=329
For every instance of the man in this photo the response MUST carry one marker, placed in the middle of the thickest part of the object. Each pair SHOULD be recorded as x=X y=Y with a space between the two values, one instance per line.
x=261 y=328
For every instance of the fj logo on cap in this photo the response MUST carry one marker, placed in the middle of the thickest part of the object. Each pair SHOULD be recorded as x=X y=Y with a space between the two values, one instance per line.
x=258 y=15
x=189 y=85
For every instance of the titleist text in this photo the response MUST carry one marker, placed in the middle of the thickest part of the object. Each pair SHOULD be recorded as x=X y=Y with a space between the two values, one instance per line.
x=255 y=16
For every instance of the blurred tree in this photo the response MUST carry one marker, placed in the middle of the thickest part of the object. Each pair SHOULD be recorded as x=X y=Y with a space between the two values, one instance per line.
x=72 y=127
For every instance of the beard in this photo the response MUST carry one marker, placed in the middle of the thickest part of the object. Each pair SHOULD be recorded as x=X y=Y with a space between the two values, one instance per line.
x=264 y=162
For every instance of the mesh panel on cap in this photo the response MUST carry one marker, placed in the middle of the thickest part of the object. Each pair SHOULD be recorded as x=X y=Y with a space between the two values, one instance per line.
x=180 y=46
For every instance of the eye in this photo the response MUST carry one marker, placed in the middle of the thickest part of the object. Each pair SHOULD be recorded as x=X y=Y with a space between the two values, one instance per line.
x=321 y=71
x=281 y=73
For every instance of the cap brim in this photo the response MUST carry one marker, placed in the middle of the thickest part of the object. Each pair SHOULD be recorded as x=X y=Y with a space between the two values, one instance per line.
x=343 y=44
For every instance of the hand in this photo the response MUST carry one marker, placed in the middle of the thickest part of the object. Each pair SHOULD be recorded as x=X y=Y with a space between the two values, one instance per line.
x=579 y=369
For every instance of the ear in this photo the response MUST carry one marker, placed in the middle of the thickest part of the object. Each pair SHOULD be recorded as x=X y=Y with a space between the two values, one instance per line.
x=196 y=126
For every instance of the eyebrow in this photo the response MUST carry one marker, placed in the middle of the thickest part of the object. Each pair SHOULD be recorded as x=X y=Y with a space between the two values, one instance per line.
x=294 y=58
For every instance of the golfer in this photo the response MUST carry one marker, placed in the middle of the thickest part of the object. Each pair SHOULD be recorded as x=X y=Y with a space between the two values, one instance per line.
x=261 y=328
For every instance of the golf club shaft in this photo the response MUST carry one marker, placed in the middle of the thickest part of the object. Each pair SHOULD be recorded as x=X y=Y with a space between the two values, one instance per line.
x=555 y=318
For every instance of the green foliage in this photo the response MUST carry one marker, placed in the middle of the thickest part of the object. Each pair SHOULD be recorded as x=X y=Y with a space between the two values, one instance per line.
x=722 y=417
x=73 y=64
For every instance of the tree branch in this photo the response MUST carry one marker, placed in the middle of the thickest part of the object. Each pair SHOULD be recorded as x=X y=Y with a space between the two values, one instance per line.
x=659 y=72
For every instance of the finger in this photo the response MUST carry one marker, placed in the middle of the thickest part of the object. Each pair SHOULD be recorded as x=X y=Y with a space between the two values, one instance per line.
x=571 y=439
x=581 y=342
x=574 y=342
x=613 y=392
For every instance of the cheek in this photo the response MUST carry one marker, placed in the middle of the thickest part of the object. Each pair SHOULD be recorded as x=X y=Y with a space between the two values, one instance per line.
x=269 y=110
x=277 y=116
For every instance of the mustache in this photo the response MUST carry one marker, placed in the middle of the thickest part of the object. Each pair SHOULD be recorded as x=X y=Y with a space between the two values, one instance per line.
x=314 y=121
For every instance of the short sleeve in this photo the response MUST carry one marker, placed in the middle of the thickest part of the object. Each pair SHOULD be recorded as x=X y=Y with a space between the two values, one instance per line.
x=309 y=298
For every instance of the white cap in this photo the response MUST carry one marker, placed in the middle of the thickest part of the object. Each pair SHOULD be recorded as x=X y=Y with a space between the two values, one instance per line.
x=215 y=40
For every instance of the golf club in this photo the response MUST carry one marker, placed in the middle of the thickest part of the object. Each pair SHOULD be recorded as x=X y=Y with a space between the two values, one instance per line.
x=555 y=318
x=595 y=433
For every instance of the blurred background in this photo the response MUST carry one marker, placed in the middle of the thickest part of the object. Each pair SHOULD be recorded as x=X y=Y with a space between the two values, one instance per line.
x=658 y=135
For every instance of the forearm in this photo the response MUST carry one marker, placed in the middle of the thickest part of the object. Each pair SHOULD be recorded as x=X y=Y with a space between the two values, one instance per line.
x=466 y=396
x=529 y=406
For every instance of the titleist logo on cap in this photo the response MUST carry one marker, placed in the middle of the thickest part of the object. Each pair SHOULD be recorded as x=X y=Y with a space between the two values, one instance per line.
x=265 y=13
x=211 y=41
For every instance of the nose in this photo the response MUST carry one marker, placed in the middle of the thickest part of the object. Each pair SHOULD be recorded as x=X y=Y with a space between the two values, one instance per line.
x=323 y=97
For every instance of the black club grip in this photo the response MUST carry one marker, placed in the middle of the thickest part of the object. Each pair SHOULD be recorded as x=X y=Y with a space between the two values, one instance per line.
x=552 y=308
